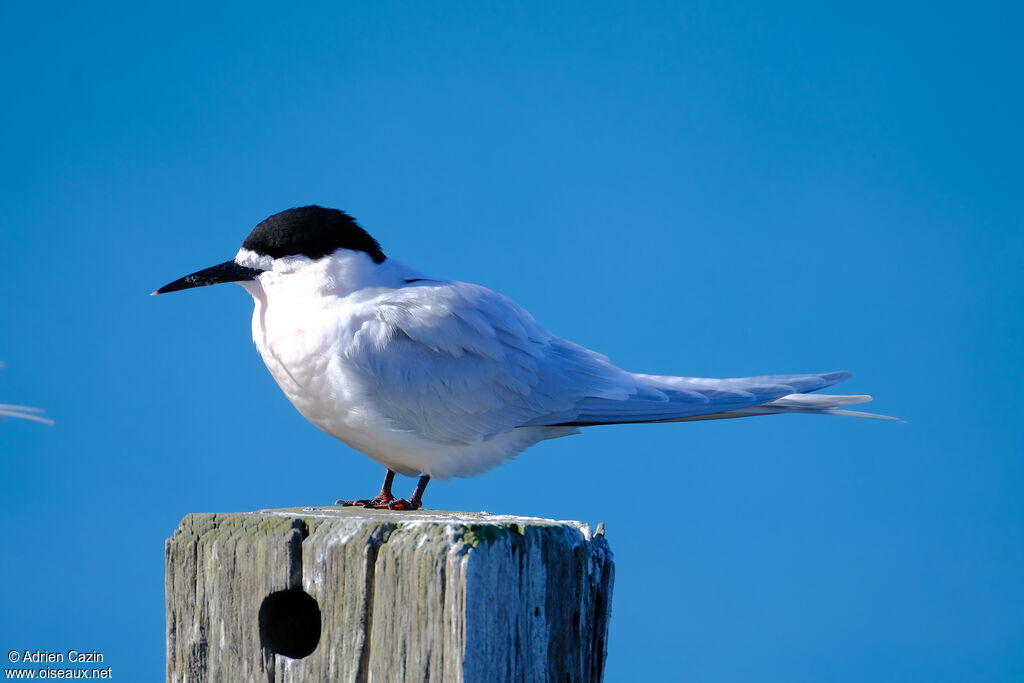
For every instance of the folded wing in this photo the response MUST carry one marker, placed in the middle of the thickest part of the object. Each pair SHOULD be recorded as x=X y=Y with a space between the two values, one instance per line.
x=458 y=363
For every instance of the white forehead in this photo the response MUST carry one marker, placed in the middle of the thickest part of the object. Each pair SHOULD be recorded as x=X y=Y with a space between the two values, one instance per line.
x=285 y=264
x=251 y=259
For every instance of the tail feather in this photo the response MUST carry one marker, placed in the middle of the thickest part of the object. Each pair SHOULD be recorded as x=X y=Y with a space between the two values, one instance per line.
x=662 y=398
x=22 y=412
x=799 y=383
x=818 y=401
x=814 y=404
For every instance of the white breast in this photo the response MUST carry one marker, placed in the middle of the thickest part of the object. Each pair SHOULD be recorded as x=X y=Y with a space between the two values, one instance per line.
x=303 y=323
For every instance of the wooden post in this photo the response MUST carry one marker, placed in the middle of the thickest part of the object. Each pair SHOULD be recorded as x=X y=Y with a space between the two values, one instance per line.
x=347 y=594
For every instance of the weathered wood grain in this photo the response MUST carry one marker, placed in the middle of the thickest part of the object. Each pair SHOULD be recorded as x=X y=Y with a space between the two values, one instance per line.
x=403 y=596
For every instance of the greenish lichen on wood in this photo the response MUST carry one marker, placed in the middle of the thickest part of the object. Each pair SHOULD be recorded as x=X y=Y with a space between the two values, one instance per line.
x=403 y=596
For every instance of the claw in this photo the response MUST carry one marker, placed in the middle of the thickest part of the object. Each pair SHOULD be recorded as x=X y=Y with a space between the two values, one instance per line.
x=402 y=504
x=386 y=501
x=381 y=504
x=365 y=502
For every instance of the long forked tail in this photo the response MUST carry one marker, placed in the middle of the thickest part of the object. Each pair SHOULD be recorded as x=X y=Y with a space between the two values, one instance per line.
x=663 y=398
x=23 y=412
x=814 y=404
x=796 y=402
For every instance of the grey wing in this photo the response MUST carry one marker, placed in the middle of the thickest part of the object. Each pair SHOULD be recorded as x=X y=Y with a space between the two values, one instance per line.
x=660 y=398
x=459 y=363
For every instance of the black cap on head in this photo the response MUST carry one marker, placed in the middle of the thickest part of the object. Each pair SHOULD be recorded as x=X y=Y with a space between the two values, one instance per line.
x=311 y=231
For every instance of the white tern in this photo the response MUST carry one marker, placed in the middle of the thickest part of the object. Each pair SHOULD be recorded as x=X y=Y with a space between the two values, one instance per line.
x=438 y=378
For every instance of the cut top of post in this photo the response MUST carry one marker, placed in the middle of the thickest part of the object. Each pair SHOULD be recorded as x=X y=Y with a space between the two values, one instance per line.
x=349 y=594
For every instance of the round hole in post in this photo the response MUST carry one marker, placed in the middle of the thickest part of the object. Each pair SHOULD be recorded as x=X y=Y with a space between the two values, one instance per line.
x=290 y=623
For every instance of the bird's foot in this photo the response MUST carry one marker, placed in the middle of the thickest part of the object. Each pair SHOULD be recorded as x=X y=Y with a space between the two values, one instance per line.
x=378 y=503
x=399 y=504
x=386 y=501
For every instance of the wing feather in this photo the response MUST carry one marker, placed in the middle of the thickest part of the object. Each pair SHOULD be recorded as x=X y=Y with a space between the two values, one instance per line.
x=459 y=363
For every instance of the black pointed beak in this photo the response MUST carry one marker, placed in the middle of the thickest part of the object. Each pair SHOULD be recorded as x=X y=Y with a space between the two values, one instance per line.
x=229 y=271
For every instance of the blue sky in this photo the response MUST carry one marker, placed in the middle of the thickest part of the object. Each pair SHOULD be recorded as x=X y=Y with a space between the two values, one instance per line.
x=701 y=189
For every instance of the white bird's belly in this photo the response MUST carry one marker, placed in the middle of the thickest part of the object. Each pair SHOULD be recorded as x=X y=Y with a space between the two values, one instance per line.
x=304 y=353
